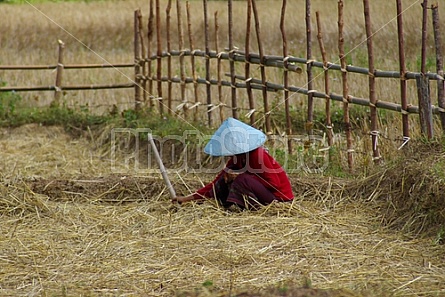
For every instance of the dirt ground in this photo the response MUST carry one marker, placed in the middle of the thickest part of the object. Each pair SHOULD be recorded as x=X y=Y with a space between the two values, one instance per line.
x=74 y=224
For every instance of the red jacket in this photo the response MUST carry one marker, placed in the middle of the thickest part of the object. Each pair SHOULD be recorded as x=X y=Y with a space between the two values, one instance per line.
x=264 y=167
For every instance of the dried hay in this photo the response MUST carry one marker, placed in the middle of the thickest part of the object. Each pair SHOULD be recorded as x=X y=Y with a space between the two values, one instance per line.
x=115 y=236
x=409 y=191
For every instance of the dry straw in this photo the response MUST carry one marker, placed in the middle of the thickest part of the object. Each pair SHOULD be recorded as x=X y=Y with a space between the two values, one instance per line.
x=65 y=232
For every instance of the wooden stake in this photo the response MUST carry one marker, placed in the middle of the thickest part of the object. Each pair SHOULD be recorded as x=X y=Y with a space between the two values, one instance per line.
x=232 y=61
x=181 y=58
x=59 y=74
x=143 y=64
x=345 y=86
x=328 y=123
x=310 y=101
x=286 y=77
x=207 y=64
x=372 y=98
x=439 y=64
x=159 y=57
x=137 y=61
x=218 y=67
x=192 y=60
x=425 y=114
x=247 y=64
x=149 y=61
x=169 y=57
x=262 y=68
x=404 y=103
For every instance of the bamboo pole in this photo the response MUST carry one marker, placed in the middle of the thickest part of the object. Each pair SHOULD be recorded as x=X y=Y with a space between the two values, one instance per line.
x=328 y=123
x=372 y=98
x=425 y=112
x=137 y=61
x=232 y=61
x=142 y=58
x=159 y=58
x=277 y=61
x=66 y=66
x=59 y=74
x=66 y=88
x=262 y=68
x=247 y=64
x=192 y=61
x=286 y=77
x=404 y=103
x=310 y=101
x=218 y=69
x=164 y=174
x=439 y=63
x=345 y=94
x=181 y=58
x=149 y=60
x=207 y=64
x=169 y=57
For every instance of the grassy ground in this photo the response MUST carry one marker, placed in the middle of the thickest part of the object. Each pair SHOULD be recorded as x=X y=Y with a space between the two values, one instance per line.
x=75 y=224
x=72 y=225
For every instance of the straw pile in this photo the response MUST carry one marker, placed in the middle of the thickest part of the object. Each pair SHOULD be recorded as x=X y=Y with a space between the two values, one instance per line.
x=97 y=233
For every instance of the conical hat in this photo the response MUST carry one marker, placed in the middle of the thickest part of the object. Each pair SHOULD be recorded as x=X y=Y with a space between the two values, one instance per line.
x=234 y=137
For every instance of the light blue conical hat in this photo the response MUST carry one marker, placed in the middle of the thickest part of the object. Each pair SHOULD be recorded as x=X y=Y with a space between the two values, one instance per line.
x=234 y=137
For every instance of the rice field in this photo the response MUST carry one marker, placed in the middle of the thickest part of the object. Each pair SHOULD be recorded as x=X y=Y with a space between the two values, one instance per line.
x=73 y=224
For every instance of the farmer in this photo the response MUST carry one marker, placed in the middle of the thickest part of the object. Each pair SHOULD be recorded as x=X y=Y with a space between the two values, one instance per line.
x=251 y=177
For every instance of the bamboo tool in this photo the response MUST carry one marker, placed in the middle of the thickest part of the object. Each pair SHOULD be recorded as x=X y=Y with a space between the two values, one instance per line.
x=161 y=167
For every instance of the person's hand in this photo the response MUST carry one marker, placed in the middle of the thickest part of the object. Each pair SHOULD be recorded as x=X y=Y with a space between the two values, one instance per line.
x=182 y=199
x=230 y=175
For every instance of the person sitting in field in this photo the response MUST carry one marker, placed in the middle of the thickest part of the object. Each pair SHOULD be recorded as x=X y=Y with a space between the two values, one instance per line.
x=251 y=177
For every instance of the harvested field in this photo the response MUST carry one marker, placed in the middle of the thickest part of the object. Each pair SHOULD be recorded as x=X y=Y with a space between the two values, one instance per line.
x=70 y=226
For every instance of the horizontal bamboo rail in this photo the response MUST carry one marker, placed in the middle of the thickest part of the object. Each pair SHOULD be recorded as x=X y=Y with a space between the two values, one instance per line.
x=277 y=61
x=272 y=87
x=66 y=88
x=66 y=66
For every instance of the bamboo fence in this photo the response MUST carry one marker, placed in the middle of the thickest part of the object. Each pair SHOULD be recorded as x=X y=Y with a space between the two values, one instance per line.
x=155 y=61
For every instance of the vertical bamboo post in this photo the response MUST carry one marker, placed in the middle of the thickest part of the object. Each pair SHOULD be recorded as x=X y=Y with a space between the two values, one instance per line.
x=207 y=64
x=262 y=68
x=402 y=65
x=142 y=58
x=439 y=64
x=159 y=57
x=344 y=75
x=181 y=57
x=231 y=61
x=247 y=65
x=149 y=50
x=326 y=81
x=192 y=61
x=169 y=58
x=425 y=109
x=137 y=62
x=218 y=68
x=286 y=77
x=59 y=74
x=372 y=97
x=310 y=100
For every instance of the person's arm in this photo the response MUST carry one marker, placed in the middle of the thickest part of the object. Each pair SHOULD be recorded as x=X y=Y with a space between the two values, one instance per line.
x=183 y=199
x=204 y=192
